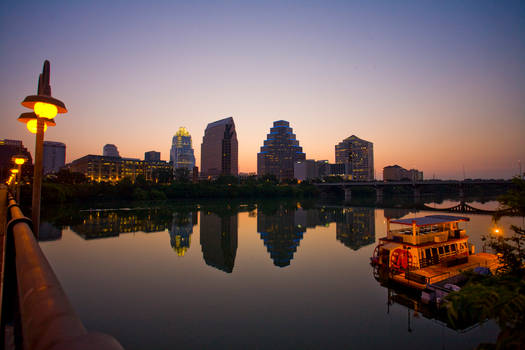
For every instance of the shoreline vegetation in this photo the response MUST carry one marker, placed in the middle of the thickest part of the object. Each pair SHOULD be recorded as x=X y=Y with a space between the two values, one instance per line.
x=70 y=187
x=500 y=297
x=141 y=190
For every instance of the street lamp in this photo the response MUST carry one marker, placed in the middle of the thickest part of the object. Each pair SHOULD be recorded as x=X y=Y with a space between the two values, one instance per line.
x=19 y=160
x=45 y=109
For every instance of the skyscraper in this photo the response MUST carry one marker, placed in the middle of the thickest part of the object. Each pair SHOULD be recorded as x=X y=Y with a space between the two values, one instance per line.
x=181 y=154
x=279 y=152
x=358 y=156
x=54 y=156
x=110 y=150
x=219 y=149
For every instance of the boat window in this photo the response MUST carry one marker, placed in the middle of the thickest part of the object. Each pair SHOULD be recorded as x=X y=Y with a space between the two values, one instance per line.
x=441 y=250
x=427 y=253
x=434 y=251
x=453 y=247
x=447 y=249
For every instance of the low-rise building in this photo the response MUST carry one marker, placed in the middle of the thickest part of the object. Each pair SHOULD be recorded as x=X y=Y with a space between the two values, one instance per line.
x=113 y=169
x=152 y=156
x=397 y=173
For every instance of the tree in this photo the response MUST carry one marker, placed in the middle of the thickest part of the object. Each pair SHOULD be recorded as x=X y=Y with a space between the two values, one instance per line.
x=182 y=175
x=500 y=297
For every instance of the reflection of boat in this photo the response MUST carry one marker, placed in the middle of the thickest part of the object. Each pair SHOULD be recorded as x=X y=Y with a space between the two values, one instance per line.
x=428 y=253
x=407 y=298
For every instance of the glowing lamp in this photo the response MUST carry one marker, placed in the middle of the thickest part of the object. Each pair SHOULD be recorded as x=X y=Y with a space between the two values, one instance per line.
x=45 y=110
x=30 y=119
x=32 y=126
x=19 y=159
x=36 y=102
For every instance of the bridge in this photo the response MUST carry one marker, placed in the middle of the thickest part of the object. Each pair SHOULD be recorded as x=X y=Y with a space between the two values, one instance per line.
x=416 y=186
x=35 y=311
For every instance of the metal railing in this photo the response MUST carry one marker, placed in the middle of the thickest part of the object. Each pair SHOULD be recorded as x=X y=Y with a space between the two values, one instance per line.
x=36 y=313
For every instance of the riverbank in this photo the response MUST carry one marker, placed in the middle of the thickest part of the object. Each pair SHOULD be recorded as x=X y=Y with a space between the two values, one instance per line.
x=69 y=193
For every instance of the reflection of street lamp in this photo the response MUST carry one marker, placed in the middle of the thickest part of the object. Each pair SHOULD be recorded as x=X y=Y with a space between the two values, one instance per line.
x=19 y=160
x=45 y=109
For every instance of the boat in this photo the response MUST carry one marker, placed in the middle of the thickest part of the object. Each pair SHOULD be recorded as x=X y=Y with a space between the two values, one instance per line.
x=429 y=253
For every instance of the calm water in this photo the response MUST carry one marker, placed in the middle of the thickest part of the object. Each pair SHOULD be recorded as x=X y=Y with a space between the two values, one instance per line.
x=243 y=276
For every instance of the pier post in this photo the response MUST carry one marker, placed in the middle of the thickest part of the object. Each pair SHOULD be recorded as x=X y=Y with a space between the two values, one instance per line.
x=461 y=192
x=417 y=194
x=379 y=195
x=348 y=194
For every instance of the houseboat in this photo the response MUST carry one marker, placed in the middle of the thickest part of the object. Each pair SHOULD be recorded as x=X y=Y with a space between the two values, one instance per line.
x=428 y=252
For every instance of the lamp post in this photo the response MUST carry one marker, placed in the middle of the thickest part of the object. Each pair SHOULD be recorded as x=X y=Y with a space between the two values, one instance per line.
x=14 y=173
x=45 y=109
x=19 y=160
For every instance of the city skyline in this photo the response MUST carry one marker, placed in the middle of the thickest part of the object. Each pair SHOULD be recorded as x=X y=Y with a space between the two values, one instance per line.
x=437 y=87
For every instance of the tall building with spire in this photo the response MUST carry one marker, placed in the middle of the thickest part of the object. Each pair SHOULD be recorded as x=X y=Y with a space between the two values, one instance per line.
x=358 y=157
x=279 y=152
x=219 y=149
x=181 y=154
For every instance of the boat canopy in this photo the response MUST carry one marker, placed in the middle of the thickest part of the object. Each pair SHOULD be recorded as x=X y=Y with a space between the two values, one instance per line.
x=430 y=220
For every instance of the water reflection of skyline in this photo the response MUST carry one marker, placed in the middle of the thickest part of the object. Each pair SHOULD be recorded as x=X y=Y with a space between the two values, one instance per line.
x=181 y=230
x=281 y=228
x=103 y=224
x=219 y=240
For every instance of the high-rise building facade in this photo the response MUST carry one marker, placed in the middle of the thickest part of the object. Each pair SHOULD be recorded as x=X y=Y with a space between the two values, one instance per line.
x=152 y=156
x=54 y=156
x=110 y=150
x=358 y=156
x=279 y=152
x=181 y=154
x=219 y=149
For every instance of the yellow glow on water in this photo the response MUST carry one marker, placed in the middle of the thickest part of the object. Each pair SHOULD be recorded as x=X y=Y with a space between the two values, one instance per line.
x=45 y=110
x=31 y=126
x=14 y=171
x=497 y=231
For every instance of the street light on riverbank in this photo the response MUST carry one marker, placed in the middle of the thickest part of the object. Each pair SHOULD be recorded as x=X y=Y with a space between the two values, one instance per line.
x=45 y=109
x=19 y=160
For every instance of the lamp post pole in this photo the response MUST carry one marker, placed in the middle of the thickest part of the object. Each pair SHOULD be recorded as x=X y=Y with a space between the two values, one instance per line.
x=37 y=175
x=19 y=178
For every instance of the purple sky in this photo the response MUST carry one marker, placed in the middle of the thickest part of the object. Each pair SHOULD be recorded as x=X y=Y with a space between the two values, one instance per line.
x=435 y=85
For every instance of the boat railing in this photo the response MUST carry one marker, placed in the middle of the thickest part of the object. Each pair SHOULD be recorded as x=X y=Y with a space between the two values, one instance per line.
x=406 y=236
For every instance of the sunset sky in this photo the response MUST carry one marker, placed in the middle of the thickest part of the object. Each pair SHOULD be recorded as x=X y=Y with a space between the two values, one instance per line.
x=434 y=85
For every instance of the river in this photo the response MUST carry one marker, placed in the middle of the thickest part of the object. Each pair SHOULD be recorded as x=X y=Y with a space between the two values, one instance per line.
x=233 y=275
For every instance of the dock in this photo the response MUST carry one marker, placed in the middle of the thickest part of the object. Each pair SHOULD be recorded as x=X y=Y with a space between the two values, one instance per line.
x=429 y=275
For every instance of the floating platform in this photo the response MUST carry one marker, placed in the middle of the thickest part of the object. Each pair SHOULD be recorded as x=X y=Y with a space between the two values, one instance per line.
x=422 y=278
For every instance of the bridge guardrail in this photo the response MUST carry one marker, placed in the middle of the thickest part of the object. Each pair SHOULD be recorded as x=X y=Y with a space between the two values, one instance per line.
x=45 y=317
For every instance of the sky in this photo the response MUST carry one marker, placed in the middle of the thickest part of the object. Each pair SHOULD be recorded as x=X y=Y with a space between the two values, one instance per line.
x=435 y=85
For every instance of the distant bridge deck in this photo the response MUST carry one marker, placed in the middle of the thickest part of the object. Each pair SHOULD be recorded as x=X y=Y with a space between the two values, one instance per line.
x=411 y=183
